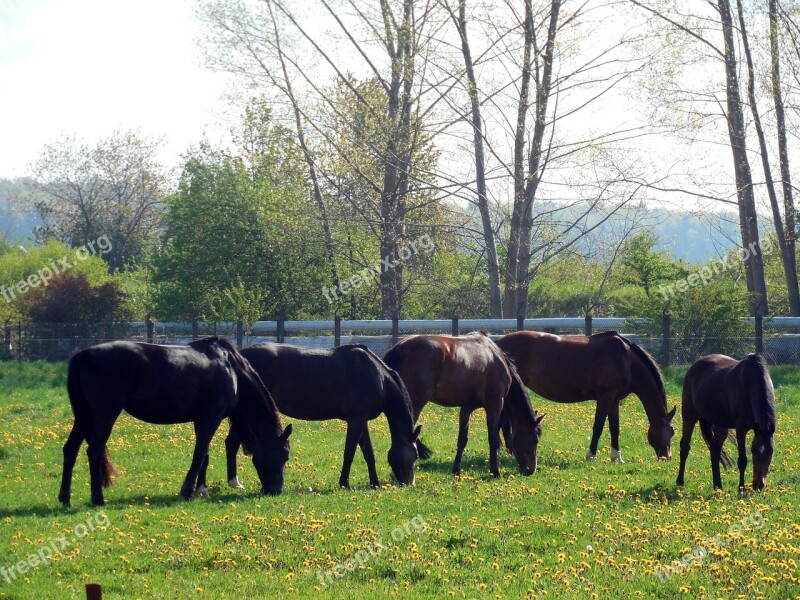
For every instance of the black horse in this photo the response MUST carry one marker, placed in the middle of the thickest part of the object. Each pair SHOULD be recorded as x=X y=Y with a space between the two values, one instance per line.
x=723 y=394
x=348 y=383
x=202 y=383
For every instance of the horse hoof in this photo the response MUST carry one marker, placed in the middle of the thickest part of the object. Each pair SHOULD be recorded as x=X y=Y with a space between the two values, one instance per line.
x=202 y=492
x=590 y=456
x=616 y=456
x=98 y=502
x=235 y=484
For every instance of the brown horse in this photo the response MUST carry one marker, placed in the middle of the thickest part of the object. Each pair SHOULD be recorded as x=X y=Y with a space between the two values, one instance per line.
x=605 y=367
x=723 y=394
x=469 y=372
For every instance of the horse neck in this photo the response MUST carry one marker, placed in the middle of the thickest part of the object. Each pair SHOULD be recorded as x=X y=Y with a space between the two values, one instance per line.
x=520 y=410
x=398 y=415
x=260 y=412
x=648 y=390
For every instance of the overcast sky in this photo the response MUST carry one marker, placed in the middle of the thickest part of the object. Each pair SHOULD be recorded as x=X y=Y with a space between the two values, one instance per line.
x=87 y=67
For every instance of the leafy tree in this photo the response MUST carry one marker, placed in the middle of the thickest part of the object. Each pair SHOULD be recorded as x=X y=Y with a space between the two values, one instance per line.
x=644 y=266
x=226 y=231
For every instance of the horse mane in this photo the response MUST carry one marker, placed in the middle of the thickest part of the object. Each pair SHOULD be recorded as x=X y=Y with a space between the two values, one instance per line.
x=244 y=366
x=395 y=376
x=519 y=403
x=763 y=402
x=647 y=359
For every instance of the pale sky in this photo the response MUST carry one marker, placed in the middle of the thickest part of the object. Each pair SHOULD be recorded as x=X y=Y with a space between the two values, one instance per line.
x=87 y=67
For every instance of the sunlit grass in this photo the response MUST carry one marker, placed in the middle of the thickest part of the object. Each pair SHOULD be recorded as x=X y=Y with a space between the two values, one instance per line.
x=574 y=529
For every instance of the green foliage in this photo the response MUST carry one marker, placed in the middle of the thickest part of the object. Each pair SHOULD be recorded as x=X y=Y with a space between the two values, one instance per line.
x=71 y=298
x=643 y=266
x=224 y=229
x=18 y=265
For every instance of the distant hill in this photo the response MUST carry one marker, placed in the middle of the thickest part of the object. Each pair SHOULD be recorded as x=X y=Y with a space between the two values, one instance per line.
x=15 y=226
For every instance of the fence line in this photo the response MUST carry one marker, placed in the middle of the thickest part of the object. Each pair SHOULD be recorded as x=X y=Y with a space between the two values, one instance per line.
x=778 y=338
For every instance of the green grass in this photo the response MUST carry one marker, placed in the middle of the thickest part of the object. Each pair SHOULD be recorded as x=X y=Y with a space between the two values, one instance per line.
x=574 y=529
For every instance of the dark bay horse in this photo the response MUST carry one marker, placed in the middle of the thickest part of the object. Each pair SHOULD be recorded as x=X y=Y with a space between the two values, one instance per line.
x=723 y=394
x=605 y=367
x=202 y=383
x=348 y=383
x=469 y=372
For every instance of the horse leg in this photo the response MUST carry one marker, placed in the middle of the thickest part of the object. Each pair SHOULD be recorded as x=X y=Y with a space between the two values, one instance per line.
x=355 y=429
x=741 y=442
x=202 y=489
x=424 y=452
x=717 y=440
x=492 y=419
x=71 y=448
x=686 y=443
x=600 y=414
x=613 y=430
x=204 y=430
x=505 y=428
x=463 y=436
x=369 y=456
x=97 y=456
x=233 y=442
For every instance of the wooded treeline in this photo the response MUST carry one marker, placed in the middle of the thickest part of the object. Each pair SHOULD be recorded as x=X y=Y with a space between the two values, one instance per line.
x=525 y=140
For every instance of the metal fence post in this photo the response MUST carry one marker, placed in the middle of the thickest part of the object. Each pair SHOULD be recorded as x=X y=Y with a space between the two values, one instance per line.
x=520 y=323
x=151 y=330
x=665 y=335
x=759 y=334
x=455 y=326
x=395 y=329
x=19 y=341
x=195 y=329
x=281 y=336
x=337 y=331
x=239 y=334
x=587 y=325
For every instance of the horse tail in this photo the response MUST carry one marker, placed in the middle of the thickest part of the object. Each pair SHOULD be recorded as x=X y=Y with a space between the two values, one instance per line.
x=83 y=412
x=724 y=457
x=762 y=394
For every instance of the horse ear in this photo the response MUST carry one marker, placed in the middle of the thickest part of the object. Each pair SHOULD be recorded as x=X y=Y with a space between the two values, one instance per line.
x=286 y=433
x=539 y=419
x=671 y=413
x=416 y=431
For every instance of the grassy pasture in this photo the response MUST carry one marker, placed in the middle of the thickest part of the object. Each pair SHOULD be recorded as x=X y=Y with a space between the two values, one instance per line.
x=573 y=530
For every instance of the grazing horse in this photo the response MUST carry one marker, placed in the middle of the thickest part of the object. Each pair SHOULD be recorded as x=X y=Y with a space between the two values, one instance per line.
x=605 y=367
x=469 y=372
x=202 y=383
x=348 y=383
x=723 y=394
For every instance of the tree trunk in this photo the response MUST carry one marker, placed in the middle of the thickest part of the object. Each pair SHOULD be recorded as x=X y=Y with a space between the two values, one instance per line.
x=330 y=249
x=535 y=162
x=783 y=158
x=788 y=269
x=495 y=302
x=748 y=219
x=512 y=256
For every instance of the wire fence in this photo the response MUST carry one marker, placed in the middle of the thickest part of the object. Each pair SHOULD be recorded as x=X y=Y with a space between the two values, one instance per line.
x=671 y=343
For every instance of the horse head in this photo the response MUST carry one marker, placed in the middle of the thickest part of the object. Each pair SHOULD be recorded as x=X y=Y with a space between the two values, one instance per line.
x=403 y=458
x=660 y=433
x=763 y=448
x=525 y=447
x=270 y=460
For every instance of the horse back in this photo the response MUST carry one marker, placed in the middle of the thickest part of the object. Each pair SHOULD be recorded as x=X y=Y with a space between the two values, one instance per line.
x=451 y=371
x=571 y=368
x=317 y=384
x=156 y=384
x=709 y=391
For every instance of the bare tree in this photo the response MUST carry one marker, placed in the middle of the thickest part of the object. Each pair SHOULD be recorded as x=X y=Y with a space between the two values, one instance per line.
x=114 y=188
